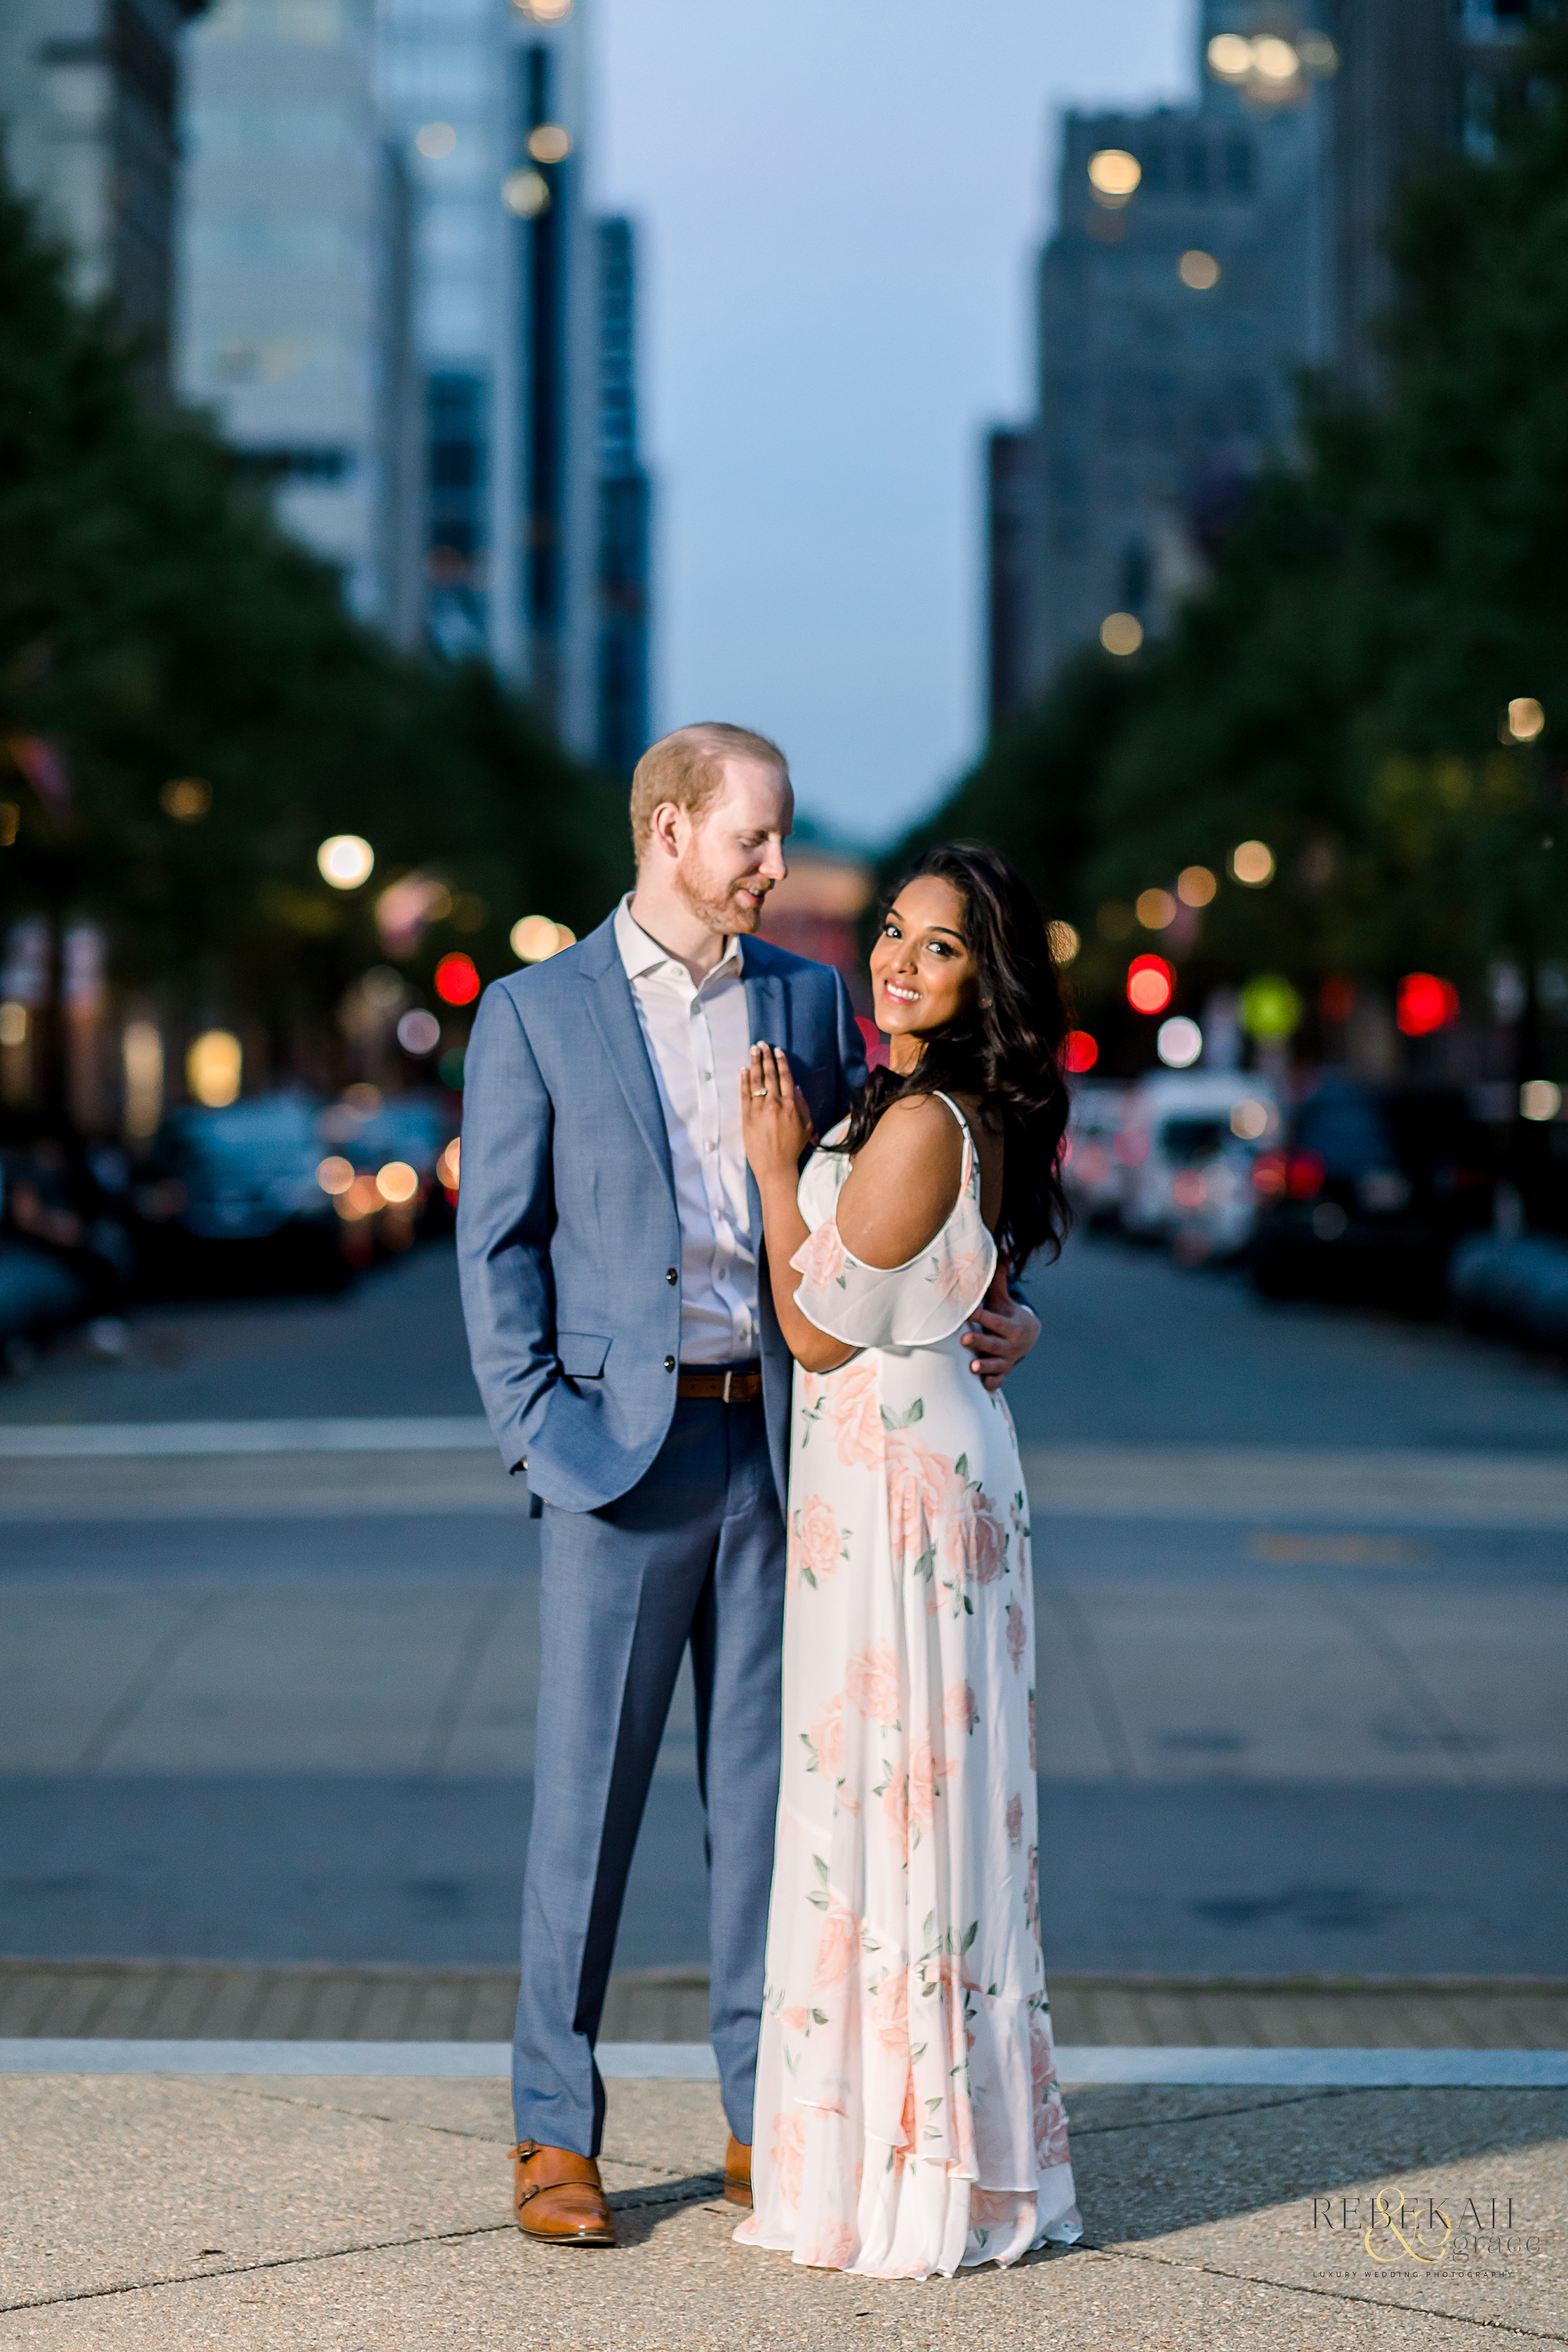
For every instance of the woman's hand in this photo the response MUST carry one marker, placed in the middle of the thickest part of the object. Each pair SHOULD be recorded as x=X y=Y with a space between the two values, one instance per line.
x=775 y=1121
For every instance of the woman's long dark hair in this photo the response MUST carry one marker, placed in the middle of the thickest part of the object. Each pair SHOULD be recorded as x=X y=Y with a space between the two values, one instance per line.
x=1005 y=1048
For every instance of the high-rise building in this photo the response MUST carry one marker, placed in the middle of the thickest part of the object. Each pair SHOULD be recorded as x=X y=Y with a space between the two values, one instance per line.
x=87 y=91
x=622 y=685
x=524 y=546
x=1201 y=256
x=1177 y=297
x=294 y=315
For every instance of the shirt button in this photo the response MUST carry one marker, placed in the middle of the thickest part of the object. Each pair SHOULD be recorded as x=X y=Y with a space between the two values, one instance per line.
x=670 y=1275
x=669 y=1363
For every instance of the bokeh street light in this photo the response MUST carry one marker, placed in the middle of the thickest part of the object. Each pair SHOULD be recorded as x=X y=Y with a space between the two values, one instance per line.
x=435 y=140
x=1198 y=269
x=526 y=193
x=550 y=142
x=1155 y=910
x=1121 y=633
x=213 y=1065
x=1196 y=886
x=1179 y=1042
x=1079 y=1052
x=1539 y=1098
x=1064 y=943
x=345 y=860
x=396 y=1182
x=1524 y=721
x=1252 y=862
x=535 y=938
x=419 y=1032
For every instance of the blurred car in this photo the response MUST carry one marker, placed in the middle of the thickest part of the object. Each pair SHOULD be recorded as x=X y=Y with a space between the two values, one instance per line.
x=1089 y=1172
x=231 y=1200
x=1369 y=1191
x=1513 y=1283
x=1185 y=1152
x=40 y=1292
x=391 y=1167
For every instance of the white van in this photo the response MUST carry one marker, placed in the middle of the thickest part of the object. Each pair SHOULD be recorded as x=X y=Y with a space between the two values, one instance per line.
x=1184 y=1153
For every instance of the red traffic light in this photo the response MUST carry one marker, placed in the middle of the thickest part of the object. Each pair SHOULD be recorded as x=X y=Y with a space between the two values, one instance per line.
x=457 y=980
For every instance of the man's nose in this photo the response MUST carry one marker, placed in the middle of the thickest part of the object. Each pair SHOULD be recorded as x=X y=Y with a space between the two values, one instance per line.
x=772 y=862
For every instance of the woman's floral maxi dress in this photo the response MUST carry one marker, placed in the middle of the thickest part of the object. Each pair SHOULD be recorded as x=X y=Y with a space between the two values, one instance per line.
x=908 y=2118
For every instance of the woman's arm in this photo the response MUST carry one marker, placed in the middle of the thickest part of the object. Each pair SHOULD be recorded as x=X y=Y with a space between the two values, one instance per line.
x=777 y=1130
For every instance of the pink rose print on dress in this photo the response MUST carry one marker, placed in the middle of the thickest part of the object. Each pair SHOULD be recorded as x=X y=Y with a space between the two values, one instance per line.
x=1017 y=1634
x=961 y=1276
x=1050 y=2120
x=838 y=1946
x=959 y=1711
x=891 y=2013
x=820 y=1257
x=827 y=1734
x=832 y=2249
x=909 y=2124
x=923 y=1489
x=789 y=2154
x=983 y=1539
x=995 y=2209
x=855 y=1414
x=871 y=1682
x=895 y=1814
x=794 y=2021
x=818 y=1544
x=1015 y=1818
x=925 y=1771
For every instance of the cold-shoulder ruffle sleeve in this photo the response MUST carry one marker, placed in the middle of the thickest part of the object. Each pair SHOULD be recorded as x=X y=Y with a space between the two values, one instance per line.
x=910 y=1306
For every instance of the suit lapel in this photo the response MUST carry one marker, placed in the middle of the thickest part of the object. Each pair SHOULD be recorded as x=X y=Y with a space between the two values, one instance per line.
x=614 y=1016
x=767 y=1008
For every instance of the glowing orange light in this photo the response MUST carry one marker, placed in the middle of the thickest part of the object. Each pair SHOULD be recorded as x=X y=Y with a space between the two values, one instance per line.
x=396 y=1181
x=1426 y=1003
x=447 y=1166
x=1151 y=983
x=335 y=1174
x=457 y=980
x=1079 y=1052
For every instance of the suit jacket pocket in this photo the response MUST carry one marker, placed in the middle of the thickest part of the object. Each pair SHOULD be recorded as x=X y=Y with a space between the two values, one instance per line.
x=581 y=1354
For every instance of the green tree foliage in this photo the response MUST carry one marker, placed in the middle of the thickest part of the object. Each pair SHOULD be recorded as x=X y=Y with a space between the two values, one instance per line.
x=155 y=624
x=1340 y=685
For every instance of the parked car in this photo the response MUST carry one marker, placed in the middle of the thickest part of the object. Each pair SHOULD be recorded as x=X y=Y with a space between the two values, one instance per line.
x=231 y=1200
x=1513 y=1283
x=394 y=1175
x=1369 y=1189
x=1090 y=1171
x=40 y=1292
x=1185 y=1152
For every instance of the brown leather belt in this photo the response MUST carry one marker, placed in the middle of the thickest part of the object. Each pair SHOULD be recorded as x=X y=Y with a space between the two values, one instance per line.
x=729 y=1388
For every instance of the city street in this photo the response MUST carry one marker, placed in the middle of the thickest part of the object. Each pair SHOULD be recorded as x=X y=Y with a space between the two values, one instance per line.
x=1302 y=1602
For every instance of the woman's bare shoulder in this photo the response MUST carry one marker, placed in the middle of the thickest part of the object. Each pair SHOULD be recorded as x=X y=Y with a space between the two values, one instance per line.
x=901 y=1188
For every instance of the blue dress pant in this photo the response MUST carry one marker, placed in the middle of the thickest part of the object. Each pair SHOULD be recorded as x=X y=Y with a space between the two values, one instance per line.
x=694 y=1553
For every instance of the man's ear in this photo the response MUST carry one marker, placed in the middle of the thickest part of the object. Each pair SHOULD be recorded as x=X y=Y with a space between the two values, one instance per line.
x=664 y=828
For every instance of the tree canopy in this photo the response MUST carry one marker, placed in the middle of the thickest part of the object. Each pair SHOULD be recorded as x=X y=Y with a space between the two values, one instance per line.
x=157 y=626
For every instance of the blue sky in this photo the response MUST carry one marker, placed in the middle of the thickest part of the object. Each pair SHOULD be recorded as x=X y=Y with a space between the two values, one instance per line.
x=840 y=200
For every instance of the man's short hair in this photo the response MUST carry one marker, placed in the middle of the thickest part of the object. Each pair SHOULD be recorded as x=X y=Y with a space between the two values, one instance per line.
x=688 y=768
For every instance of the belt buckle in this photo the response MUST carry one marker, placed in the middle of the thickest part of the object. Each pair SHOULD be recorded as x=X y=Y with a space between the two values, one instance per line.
x=729 y=1376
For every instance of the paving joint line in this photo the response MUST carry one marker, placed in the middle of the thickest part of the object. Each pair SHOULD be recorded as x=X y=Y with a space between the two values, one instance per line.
x=1328 y=2295
x=272 y=2263
x=1220 y=2114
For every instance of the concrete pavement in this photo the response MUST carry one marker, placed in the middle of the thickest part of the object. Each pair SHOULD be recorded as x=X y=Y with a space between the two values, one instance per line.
x=310 y=2212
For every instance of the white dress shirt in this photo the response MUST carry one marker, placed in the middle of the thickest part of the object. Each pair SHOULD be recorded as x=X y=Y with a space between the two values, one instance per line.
x=698 y=1040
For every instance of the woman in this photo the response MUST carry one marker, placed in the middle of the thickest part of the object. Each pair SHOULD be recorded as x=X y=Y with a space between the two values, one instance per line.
x=908 y=2118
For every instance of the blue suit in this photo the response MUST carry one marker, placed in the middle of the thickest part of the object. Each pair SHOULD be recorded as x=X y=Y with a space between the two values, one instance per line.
x=662 y=1520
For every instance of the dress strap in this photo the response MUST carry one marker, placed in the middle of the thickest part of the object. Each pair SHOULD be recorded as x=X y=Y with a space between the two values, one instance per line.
x=971 y=1158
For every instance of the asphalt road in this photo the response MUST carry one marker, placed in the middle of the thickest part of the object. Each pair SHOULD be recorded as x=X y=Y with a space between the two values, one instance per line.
x=1271 y=1740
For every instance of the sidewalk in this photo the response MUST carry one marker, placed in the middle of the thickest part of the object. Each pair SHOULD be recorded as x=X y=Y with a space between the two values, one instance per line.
x=303 y=2214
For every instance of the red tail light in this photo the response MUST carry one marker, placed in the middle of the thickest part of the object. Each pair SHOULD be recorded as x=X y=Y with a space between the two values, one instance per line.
x=1268 y=1175
x=1303 y=1175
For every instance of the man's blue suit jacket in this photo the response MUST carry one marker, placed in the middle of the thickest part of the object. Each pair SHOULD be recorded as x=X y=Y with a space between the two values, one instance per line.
x=568 y=1240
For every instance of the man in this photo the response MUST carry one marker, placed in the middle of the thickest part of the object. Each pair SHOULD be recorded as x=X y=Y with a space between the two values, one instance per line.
x=625 y=1348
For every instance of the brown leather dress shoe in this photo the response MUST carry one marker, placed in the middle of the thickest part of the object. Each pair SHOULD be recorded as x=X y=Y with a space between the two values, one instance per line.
x=738 y=2173
x=559 y=2197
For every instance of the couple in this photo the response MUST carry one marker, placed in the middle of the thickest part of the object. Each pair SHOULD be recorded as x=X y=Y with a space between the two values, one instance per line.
x=642 y=1257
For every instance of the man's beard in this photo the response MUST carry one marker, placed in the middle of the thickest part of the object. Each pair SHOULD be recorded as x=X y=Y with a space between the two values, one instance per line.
x=711 y=904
